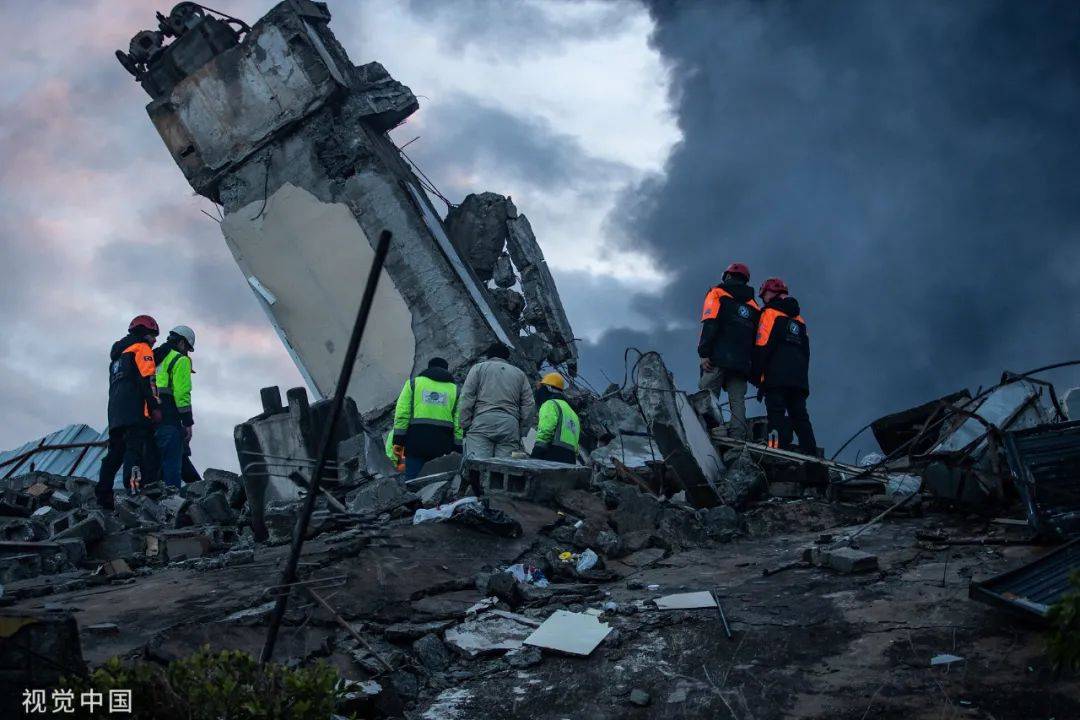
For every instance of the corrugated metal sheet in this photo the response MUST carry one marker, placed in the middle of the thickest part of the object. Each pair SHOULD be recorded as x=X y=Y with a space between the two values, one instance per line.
x=1046 y=463
x=1031 y=589
x=76 y=462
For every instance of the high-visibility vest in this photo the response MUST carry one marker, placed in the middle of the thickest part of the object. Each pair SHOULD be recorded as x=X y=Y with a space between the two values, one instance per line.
x=558 y=425
x=424 y=401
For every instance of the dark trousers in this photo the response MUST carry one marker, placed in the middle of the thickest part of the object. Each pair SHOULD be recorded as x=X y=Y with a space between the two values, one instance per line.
x=127 y=448
x=786 y=410
x=414 y=466
x=170 y=445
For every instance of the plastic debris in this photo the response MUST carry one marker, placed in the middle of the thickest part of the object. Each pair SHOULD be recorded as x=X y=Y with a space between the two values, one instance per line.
x=528 y=574
x=586 y=561
x=442 y=512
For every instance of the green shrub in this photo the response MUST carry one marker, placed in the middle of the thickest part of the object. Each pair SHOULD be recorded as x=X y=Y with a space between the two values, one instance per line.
x=227 y=685
x=1064 y=644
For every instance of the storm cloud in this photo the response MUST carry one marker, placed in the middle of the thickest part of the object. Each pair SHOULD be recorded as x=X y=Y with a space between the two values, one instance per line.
x=911 y=170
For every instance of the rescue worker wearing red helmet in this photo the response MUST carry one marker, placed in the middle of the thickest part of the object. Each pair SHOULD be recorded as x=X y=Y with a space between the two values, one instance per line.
x=729 y=321
x=782 y=366
x=133 y=407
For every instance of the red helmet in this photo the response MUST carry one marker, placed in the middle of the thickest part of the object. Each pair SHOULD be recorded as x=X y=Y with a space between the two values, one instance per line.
x=739 y=269
x=144 y=322
x=775 y=285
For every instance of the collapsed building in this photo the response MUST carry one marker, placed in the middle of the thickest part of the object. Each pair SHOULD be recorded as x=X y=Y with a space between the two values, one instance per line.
x=597 y=590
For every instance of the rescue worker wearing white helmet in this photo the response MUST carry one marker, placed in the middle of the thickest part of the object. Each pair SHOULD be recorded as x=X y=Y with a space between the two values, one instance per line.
x=174 y=388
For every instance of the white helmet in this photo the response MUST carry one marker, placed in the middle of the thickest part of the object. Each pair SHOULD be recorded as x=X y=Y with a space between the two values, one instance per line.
x=185 y=332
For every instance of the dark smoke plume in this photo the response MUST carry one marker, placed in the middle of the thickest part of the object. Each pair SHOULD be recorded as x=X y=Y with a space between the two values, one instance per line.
x=912 y=169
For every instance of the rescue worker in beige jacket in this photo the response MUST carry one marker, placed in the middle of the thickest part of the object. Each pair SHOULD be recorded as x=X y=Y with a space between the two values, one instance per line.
x=497 y=406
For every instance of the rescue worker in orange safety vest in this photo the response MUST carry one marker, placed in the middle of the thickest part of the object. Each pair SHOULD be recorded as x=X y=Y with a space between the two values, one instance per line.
x=133 y=407
x=426 y=418
x=782 y=366
x=729 y=321
x=558 y=428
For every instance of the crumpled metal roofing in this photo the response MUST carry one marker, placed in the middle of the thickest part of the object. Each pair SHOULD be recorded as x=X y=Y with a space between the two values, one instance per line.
x=75 y=462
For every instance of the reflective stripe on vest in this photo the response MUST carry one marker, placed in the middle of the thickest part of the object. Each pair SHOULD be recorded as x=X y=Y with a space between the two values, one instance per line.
x=567 y=428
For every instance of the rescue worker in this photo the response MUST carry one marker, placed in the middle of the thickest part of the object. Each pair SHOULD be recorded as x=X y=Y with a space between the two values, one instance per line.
x=558 y=428
x=729 y=321
x=426 y=418
x=173 y=375
x=782 y=366
x=496 y=406
x=133 y=406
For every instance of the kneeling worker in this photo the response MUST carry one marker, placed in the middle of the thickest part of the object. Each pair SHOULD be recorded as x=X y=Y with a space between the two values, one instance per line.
x=558 y=429
x=426 y=420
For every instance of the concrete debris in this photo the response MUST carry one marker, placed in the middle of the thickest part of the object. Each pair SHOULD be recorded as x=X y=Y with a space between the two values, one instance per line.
x=487 y=634
x=536 y=480
x=381 y=495
x=477 y=227
x=678 y=431
x=432 y=653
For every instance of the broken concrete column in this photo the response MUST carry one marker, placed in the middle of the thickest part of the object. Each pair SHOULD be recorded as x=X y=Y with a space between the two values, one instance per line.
x=543 y=308
x=477 y=227
x=678 y=432
x=278 y=126
x=503 y=272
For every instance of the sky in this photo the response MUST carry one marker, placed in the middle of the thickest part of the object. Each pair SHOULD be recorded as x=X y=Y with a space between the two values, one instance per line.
x=909 y=169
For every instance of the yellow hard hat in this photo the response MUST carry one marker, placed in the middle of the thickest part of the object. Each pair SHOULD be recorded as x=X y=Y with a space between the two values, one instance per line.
x=554 y=380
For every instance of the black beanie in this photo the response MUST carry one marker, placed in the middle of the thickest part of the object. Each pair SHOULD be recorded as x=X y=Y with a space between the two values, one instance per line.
x=498 y=350
x=438 y=362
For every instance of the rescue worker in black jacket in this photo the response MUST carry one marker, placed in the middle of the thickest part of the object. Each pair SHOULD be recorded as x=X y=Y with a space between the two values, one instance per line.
x=133 y=407
x=782 y=366
x=729 y=321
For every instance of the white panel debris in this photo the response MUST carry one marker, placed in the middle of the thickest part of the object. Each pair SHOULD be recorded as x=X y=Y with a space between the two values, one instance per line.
x=571 y=633
x=317 y=288
x=686 y=601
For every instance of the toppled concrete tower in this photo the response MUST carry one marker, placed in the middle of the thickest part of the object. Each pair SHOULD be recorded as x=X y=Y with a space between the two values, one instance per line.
x=276 y=124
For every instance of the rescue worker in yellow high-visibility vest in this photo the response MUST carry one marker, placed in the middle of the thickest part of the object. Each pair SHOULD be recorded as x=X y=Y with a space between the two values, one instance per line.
x=173 y=378
x=558 y=428
x=426 y=423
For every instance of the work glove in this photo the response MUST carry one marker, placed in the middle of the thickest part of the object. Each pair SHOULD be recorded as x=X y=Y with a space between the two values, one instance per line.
x=187 y=432
x=399 y=457
x=706 y=365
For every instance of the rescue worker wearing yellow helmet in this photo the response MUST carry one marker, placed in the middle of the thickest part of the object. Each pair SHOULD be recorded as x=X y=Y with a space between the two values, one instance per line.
x=558 y=428
x=426 y=418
